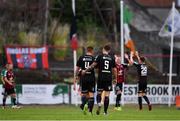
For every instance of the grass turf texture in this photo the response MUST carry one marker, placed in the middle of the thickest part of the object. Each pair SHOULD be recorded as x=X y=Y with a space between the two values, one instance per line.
x=69 y=112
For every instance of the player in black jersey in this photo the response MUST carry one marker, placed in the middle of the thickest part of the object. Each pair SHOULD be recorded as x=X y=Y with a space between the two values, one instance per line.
x=106 y=65
x=142 y=83
x=87 y=81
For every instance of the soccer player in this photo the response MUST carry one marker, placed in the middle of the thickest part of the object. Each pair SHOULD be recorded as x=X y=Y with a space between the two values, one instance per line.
x=9 y=86
x=121 y=68
x=3 y=74
x=87 y=82
x=106 y=65
x=142 y=83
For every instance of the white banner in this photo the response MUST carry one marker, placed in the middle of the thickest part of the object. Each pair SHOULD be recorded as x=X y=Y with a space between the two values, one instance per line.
x=157 y=94
x=52 y=94
x=42 y=94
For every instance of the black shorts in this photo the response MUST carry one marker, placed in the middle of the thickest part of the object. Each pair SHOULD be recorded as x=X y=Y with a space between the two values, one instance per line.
x=118 y=87
x=10 y=91
x=104 y=86
x=87 y=84
x=142 y=86
x=104 y=82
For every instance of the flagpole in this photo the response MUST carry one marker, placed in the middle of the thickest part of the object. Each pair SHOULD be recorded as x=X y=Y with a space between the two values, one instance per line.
x=75 y=55
x=122 y=31
x=122 y=39
x=171 y=56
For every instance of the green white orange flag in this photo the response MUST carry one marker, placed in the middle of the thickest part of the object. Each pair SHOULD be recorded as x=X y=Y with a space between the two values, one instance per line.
x=129 y=43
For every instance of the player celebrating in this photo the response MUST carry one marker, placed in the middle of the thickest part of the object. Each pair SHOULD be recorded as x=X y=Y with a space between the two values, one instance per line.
x=87 y=82
x=105 y=64
x=9 y=86
x=142 y=83
x=121 y=68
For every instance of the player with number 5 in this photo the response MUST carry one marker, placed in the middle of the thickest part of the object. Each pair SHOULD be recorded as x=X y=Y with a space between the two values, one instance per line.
x=106 y=66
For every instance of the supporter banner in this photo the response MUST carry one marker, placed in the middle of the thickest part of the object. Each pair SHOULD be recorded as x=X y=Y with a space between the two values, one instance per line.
x=158 y=94
x=27 y=57
x=42 y=94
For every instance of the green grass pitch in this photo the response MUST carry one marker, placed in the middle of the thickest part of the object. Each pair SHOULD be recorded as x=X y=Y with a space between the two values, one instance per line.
x=69 y=112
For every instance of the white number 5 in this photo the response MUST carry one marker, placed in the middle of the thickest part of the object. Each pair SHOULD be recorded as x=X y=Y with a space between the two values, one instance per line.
x=106 y=63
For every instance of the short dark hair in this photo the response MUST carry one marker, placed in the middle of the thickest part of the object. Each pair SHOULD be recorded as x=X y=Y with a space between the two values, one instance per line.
x=142 y=59
x=107 y=48
x=89 y=49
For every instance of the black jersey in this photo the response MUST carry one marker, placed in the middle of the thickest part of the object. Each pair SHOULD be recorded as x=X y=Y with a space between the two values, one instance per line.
x=84 y=62
x=105 y=63
x=142 y=71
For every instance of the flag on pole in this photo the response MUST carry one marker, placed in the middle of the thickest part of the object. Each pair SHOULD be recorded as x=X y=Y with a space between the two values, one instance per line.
x=73 y=35
x=166 y=29
x=129 y=43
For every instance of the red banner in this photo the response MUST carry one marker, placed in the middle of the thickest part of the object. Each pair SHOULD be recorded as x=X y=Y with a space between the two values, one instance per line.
x=27 y=57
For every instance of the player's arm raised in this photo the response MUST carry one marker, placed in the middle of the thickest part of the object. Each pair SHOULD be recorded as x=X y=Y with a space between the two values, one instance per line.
x=138 y=57
x=129 y=60
x=131 y=57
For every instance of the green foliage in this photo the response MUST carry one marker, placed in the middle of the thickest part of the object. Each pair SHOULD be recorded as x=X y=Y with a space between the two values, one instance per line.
x=30 y=38
x=60 y=34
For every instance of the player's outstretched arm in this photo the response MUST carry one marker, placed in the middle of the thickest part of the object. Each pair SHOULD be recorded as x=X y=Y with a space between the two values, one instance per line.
x=91 y=67
x=131 y=57
x=138 y=57
x=128 y=59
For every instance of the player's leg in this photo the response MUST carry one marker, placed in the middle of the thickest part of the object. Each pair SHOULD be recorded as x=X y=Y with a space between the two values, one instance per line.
x=107 y=89
x=98 y=99
x=106 y=101
x=118 y=91
x=99 y=95
x=140 y=100
x=4 y=98
x=140 y=91
x=3 y=92
x=145 y=97
x=84 y=93
x=99 y=92
x=91 y=101
x=13 y=97
x=84 y=99
x=147 y=101
x=91 y=94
